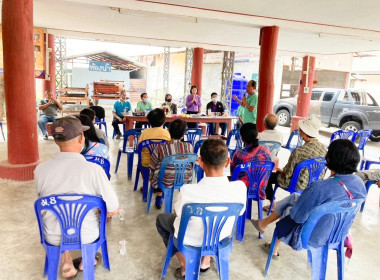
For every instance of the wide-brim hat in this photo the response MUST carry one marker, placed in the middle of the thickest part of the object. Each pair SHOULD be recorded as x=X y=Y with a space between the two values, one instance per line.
x=310 y=126
x=67 y=128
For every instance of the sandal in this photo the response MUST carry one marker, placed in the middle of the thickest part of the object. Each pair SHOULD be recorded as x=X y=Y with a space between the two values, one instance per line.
x=71 y=277
x=178 y=273
x=266 y=248
x=78 y=261
x=255 y=223
x=266 y=208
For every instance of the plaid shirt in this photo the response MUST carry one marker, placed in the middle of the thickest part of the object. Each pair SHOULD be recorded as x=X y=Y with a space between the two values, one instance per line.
x=245 y=155
x=167 y=149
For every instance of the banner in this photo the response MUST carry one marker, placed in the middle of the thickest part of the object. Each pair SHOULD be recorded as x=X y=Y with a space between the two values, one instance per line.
x=99 y=66
x=39 y=52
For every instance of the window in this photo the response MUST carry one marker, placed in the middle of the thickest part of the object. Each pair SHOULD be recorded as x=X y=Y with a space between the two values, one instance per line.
x=328 y=96
x=370 y=100
x=316 y=95
x=356 y=97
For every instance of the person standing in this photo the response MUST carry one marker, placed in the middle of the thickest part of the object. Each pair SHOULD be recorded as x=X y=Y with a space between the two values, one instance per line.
x=48 y=111
x=217 y=107
x=249 y=103
x=142 y=107
x=193 y=104
x=121 y=106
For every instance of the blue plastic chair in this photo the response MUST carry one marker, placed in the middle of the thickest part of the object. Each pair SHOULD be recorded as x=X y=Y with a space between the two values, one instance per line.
x=198 y=146
x=2 y=131
x=363 y=135
x=114 y=133
x=180 y=163
x=289 y=145
x=273 y=146
x=103 y=162
x=367 y=163
x=213 y=223
x=150 y=145
x=234 y=133
x=100 y=123
x=70 y=214
x=315 y=166
x=193 y=135
x=198 y=170
x=343 y=134
x=130 y=151
x=367 y=186
x=344 y=213
x=257 y=171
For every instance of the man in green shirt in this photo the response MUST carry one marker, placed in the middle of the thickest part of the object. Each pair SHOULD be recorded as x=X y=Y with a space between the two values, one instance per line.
x=249 y=103
x=142 y=106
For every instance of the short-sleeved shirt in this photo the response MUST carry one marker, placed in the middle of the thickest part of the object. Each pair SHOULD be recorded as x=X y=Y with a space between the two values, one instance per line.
x=208 y=190
x=121 y=107
x=151 y=133
x=50 y=110
x=98 y=150
x=248 y=116
x=70 y=173
x=270 y=135
x=218 y=107
x=143 y=107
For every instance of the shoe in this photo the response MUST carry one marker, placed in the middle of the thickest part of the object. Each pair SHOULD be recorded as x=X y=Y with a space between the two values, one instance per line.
x=255 y=223
x=45 y=137
x=159 y=200
x=77 y=261
x=266 y=248
x=118 y=136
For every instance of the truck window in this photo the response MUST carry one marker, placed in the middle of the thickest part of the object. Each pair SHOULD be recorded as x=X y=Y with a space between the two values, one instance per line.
x=316 y=95
x=343 y=96
x=356 y=97
x=328 y=96
x=370 y=100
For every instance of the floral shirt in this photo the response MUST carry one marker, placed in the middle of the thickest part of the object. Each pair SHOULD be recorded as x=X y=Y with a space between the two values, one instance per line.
x=97 y=149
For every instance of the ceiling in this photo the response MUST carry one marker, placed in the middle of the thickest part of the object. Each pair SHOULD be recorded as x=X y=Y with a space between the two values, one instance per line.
x=306 y=27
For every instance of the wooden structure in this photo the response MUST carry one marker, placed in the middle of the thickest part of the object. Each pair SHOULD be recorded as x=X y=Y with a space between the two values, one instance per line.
x=72 y=95
x=107 y=89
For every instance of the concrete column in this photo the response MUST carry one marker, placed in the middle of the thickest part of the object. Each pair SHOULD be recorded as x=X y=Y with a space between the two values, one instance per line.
x=19 y=84
x=50 y=84
x=196 y=73
x=268 y=43
x=304 y=92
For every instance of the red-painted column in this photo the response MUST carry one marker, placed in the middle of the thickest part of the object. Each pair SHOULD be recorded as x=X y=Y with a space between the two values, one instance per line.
x=196 y=73
x=268 y=43
x=50 y=84
x=19 y=85
x=304 y=92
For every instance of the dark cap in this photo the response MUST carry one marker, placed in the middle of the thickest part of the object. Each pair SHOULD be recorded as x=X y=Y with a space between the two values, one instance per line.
x=67 y=128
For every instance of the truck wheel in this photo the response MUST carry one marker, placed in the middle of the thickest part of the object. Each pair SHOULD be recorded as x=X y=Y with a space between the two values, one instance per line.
x=375 y=136
x=351 y=125
x=283 y=117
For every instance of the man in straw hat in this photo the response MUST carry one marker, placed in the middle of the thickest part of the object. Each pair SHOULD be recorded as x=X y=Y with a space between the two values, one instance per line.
x=69 y=173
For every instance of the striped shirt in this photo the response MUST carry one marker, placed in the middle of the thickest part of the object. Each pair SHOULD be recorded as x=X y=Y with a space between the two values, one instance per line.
x=167 y=149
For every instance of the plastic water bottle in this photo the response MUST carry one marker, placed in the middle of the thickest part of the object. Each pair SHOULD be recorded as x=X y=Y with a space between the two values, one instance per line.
x=121 y=213
x=123 y=247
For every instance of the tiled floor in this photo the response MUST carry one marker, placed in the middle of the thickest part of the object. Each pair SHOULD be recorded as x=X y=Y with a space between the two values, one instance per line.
x=23 y=257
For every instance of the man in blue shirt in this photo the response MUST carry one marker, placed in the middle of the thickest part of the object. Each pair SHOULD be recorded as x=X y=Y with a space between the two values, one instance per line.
x=121 y=106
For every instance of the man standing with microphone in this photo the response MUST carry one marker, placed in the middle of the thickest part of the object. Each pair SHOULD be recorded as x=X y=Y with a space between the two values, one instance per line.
x=249 y=103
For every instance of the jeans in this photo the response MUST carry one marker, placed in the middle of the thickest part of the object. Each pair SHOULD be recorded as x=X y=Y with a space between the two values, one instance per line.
x=164 y=225
x=43 y=120
x=272 y=181
x=223 y=126
x=283 y=206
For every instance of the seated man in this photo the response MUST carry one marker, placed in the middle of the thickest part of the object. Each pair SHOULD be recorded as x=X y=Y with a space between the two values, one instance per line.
x=69 y=173
x=342 y=159
x=369 y=175
x=177 y=129
x=309 y=131
x=214 y=188
x=121 y=106
x=100 y=133
x=270 y=133
x=156 y=119
x=142 y=107
x=216 y=107
x=48 y=111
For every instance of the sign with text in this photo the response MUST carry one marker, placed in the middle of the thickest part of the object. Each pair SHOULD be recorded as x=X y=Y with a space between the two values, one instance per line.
x=99 y=66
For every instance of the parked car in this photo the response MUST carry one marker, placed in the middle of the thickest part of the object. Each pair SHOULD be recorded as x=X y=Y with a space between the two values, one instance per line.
x=347 y=109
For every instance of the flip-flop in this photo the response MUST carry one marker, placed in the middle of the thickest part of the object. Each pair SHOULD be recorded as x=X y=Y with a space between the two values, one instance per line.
x=77 y=261
x=178 y=273
x=73 y=277
x=266 y=208
x=266 y=248
x=255 y=223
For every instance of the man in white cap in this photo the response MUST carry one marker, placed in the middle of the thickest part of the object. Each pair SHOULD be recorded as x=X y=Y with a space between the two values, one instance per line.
x=309 y=132
x=69 y=172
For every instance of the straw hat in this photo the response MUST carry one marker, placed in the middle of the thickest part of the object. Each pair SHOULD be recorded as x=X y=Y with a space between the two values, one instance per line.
x=310 y=126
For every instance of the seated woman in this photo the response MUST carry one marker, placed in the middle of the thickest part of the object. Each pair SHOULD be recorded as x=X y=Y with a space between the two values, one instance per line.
x=252 y=152
x=176 y=129
x=92 y=147
x=342 y=159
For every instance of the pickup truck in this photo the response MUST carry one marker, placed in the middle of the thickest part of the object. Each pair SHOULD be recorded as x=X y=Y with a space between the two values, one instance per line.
x=344 y=108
